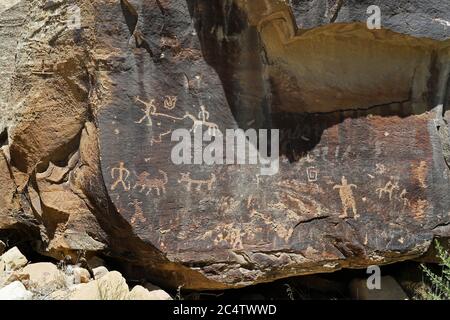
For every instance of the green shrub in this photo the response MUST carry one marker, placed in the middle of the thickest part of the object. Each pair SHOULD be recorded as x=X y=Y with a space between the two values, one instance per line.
x=440 y=284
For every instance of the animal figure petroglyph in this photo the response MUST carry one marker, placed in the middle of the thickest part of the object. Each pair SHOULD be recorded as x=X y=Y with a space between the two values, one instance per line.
x=389 y=188
x=122 y=177
x=160 y=136
x=186 y=178
x=347 y=198
x=198 y=123
x=145 y=182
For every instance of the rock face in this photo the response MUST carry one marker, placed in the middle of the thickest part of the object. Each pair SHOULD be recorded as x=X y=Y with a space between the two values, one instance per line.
x=364 y=150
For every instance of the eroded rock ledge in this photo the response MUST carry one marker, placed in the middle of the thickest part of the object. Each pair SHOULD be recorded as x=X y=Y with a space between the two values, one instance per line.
x=86 y=163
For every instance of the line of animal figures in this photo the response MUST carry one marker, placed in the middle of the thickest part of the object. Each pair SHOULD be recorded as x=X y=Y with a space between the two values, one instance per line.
x=144 y=182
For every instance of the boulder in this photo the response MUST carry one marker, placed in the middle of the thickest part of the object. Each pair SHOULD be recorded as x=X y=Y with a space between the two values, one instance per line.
x=45 y=274
x=84 y=291
x=2 y=247
x=112 y=286
x=141 y=293
x=12 y=260
x=100 y=272
x=15 y=291
x=81 y=275
x=9 y=277
x=389 y=290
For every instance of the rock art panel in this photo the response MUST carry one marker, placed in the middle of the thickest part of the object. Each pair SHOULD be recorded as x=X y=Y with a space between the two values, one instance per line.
x=362 y=178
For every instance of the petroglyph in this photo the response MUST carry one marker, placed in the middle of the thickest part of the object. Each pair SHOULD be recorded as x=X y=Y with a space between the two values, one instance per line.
x=145 y=182
x=402 y=197
x=420 y=173
x=170 y=102
x=149 y=110
x=300 y=206
x=203 y=114
x=186 y=178
x=347 y=198
x=160 y=136
x=418 y=209
x=227 y=205
x=199 y=123
x=388 y=189
x=231 y=235
x=122 y=177
x=281 y=231
x=312 y=174
x=138 y=216
x=380 y=168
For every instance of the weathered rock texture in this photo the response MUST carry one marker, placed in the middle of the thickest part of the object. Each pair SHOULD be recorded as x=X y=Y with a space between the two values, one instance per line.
x=365 y=153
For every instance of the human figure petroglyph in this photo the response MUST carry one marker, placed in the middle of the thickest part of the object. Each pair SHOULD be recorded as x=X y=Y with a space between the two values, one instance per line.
x=347 y=198
x=388 y=189
x=150 y=109
x=203 y=114
x=123 y=175
x=170 y=102
x=186 y=178
x=145 y=182
x=138 y=215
